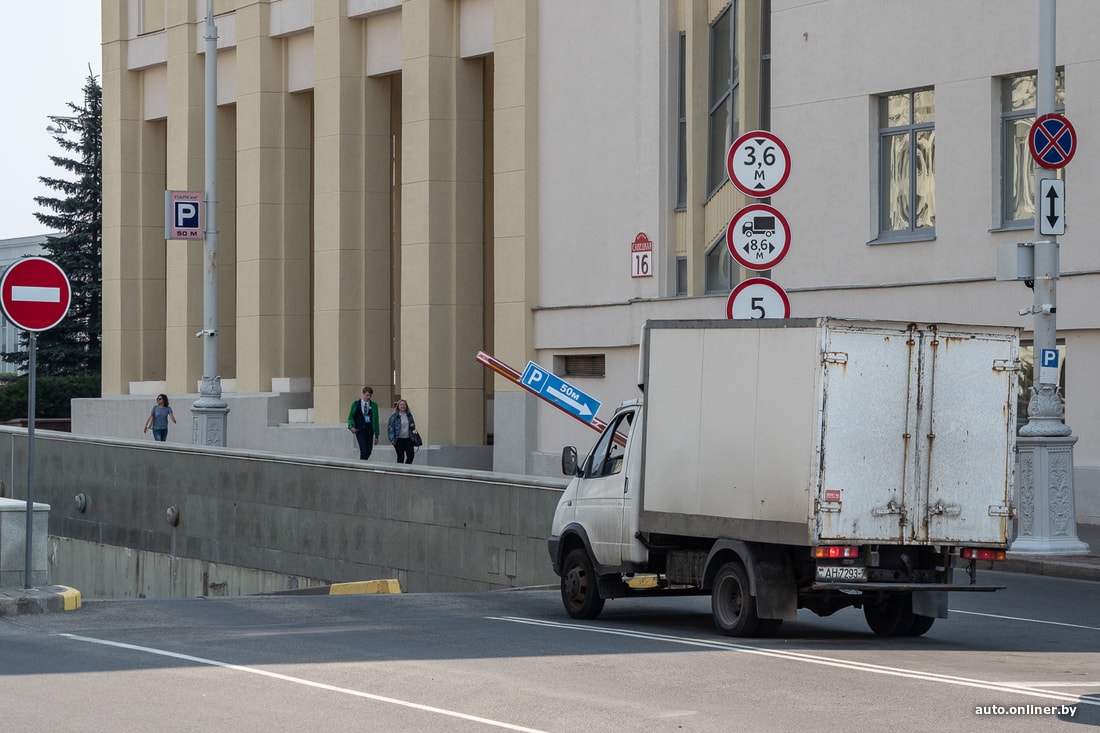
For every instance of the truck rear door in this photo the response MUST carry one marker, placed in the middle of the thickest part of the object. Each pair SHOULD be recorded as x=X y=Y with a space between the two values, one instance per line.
x=969 y=389
x=868 y=425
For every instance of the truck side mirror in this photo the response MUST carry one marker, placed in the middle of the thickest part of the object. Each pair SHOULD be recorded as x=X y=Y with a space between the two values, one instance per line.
x=569 y=460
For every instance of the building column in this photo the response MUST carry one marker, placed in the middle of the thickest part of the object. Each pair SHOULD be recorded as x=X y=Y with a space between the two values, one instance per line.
x=122 y=275
x=266 y=245
x=351 y=279
x=184 y=171
x=515 y=267
x=442 y=309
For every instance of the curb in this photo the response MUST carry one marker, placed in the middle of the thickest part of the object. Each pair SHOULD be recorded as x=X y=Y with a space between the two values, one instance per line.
x=49 y=599
x=1071 y=567
x=357 y=588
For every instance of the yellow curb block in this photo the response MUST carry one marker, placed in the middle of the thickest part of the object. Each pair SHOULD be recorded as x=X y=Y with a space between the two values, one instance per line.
x=365 y=586
x=71 y=596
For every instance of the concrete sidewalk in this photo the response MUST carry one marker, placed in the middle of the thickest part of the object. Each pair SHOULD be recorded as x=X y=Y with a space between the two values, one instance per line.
x=14 y=601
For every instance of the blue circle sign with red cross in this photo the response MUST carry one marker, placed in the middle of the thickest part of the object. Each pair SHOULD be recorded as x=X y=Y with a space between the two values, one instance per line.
x=1053 y=141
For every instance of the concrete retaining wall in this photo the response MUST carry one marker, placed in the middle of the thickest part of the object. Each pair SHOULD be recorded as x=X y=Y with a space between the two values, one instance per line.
x=298 y=520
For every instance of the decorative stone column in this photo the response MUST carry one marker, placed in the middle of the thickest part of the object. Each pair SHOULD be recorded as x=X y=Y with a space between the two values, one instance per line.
x=1046 y=512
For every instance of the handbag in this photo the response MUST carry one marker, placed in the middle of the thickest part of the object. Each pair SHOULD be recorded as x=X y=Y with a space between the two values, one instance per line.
x=414 y=436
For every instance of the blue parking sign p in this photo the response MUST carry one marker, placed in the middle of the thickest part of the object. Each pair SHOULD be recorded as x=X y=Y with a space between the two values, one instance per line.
x=1049 y=359
x=183 y=215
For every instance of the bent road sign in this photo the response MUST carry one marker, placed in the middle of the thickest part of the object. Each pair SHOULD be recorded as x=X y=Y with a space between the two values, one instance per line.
x=556 y=390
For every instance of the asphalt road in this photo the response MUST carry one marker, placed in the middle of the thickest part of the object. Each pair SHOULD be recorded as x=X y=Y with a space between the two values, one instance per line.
x=513 y=660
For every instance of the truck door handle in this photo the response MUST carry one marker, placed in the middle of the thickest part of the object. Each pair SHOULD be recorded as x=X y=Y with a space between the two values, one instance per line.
x=951 y=510
x=885 y=511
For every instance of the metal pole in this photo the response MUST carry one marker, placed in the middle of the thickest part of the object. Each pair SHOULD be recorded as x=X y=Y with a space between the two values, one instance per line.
x=32 y=367
x=1046 y=519
x=209 y=421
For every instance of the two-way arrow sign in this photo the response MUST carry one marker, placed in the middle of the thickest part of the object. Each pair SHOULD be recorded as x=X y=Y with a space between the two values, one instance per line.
x=1052 y=198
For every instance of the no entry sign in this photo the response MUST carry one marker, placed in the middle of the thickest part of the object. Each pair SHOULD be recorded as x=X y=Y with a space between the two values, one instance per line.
x=35 y=294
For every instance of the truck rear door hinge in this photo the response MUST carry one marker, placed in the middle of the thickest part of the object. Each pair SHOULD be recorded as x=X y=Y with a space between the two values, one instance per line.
x=1006 y=365
x=1002 y=510
x=826 y=506
x=834 y=357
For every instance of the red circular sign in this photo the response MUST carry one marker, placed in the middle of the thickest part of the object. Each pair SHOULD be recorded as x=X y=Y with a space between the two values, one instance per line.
x=758 y=237
x=758 y=297
x=1053 y=141
x=758 y=163
x=34 y=294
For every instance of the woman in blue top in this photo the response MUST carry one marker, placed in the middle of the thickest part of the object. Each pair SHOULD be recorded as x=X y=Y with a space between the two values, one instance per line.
x=158 y=418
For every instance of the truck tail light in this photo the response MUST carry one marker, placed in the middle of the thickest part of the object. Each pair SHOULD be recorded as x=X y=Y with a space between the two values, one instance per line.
x=835 y=552
x=978 y=553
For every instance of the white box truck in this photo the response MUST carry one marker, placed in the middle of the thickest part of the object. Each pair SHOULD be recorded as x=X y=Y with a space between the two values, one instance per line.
x=815 y=463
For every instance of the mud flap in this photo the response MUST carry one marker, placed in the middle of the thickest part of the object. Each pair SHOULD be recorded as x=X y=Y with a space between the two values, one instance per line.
x=931 y=603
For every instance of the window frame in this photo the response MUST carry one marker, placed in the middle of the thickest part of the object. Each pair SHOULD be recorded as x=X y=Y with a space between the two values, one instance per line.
x=911 y=130
x=724 y=100
x=1010 y=118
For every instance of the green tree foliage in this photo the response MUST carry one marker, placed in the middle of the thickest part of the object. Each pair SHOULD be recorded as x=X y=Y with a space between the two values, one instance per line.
x=74 y=346
x=52 y=396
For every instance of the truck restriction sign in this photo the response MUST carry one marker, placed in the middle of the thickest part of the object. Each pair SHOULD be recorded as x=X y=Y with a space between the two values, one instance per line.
x=35 y=294
x=758 y=163
x=758 y=237
x=758 y=297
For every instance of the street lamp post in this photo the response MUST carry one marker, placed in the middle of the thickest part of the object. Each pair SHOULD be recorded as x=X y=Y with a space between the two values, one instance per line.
x=1046 y=516
x=209 y=412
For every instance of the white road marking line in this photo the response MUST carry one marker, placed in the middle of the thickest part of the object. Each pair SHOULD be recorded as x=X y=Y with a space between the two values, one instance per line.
x=31 y=294
x=1028 y=620
x=300 y=681
x=811 y=659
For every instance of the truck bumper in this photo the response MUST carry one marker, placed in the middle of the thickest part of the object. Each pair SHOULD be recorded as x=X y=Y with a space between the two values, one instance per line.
x=553 y=542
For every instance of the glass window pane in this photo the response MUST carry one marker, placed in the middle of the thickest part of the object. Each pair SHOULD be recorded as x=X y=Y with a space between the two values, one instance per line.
x=926 y=178
x=895 y=178
x=1019 y=176
x=924 y=107
x=719 y=269
x=720 y=141
x=895 y=110
x=721 y=45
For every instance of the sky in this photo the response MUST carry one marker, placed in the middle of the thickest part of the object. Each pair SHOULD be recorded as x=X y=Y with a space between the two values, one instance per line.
x=43 y=62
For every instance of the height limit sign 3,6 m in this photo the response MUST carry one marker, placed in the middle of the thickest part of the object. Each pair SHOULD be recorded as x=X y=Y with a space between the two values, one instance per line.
x=758 y=163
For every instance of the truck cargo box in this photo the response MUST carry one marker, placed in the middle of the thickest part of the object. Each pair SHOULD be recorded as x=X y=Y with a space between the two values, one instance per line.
x=828 y=430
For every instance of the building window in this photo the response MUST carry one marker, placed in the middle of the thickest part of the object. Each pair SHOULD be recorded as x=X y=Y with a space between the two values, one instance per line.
x=907 y=156
x=1018 y=105
x=681 y=275
x=681 y=133
x=723 y=101
x=720 y=269
x=581 y=365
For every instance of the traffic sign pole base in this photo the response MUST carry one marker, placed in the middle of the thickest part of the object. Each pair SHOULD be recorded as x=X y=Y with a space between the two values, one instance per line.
x=209 y=425
x=1046 y=510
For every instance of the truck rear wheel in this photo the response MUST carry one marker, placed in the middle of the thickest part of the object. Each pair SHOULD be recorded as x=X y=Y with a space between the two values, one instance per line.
x=921 y=624
x=731 y=604
x=580 y=593
x=892 y=615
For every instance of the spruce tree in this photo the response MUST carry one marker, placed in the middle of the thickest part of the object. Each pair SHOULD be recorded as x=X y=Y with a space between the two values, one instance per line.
x=74 y=346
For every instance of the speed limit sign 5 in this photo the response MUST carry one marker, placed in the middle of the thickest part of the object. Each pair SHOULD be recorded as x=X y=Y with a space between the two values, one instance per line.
x=758 y=297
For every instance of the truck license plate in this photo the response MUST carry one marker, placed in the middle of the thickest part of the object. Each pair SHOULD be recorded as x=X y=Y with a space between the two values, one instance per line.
x=841 y=572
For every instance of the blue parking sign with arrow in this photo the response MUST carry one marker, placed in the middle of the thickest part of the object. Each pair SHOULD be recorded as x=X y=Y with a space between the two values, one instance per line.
x=557 y=391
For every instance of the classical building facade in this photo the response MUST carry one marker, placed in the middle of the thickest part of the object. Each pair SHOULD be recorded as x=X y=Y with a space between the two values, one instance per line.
x=404 y=184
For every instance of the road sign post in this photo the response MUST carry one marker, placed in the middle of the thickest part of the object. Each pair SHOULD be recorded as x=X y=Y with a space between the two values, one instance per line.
x=34 y=295
x=1047 y=515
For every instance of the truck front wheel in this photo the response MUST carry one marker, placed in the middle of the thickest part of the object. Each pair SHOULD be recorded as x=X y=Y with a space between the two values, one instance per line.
x=731 y=603
x=580 y=593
